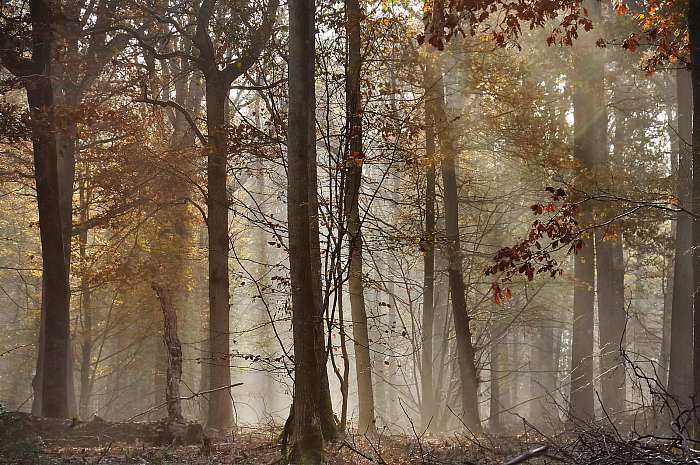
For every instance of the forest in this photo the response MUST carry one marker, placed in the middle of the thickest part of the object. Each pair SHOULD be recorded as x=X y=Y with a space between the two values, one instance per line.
x=425 y=232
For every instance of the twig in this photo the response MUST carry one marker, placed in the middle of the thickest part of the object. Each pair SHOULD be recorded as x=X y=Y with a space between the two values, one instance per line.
x=358 y=452
x=542 y=450
x=104 y=452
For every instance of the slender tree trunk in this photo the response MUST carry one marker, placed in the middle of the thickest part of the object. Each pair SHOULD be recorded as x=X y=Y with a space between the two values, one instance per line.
x=305 y=314
x=87 y=336
x=344 y=378
x=328 y=423
x=680 y=375
x=465 y=350
x=543 y=381
x=671 y=110
x=353 y=166
x=220 y=414
x=174 y=351
x=498 y=364
x=427 y=389
x=694 y=42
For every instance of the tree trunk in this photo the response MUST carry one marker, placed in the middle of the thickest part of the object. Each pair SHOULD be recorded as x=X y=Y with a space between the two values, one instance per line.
x=590 y=128
x=671 y=109
x=54 y=388
x=305 y=314
x=465 y=350
x=610 y=267
x=220 y=414
x=680 y=373
x=694 y=42
x=499 y=353
x=543 y=381
x=86 y=330
x=328 y=424
x=427 y=389
x=174 y=351
x=353 y=165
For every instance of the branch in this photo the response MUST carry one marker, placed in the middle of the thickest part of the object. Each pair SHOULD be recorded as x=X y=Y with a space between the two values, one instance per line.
x=527 y=456
x=10 y=59
x=260 y=87
x=172 y=104
x=256 y=45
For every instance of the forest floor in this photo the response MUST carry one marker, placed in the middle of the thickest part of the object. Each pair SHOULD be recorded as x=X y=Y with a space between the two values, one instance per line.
x=30 y=440
x=25 y=439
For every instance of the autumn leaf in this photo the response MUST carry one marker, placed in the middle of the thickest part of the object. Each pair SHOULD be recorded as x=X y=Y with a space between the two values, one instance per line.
x=621 y=9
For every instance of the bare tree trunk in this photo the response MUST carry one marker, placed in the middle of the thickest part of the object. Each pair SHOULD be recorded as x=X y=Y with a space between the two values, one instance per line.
x=465 y=350
x=353 y=165
x=590 y=127
x=427 y=387
x=498 y=364
x=86 y=329
x=220 y=414
x=680 y=376
x=305 y=314
x=694 y=42
x=174 y=351
x=543 y=381
x=56 y=295
x=328 y=424
x=671 y=109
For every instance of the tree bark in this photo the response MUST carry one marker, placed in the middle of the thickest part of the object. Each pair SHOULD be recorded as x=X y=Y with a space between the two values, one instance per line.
x=610 y=280
x=428 y=317
x=680 y=372
x=55 y=350
x=220 y=414
x=543 y=381
x=498 y=356
x=174 y=351
x=305 y=314
x=353 y=166
x=590 y=127
x=86 y=329
x=465 y=350
x=694 y=43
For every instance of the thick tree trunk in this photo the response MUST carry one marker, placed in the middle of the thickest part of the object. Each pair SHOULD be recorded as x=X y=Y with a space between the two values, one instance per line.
x=220 y=414
x=174 y=351
x=610 y=267
x=680 y=375
x=353 y=165
x=428 y=317
x=54 y=388
x=590 y=127
x=308 y=432
x=469 y=385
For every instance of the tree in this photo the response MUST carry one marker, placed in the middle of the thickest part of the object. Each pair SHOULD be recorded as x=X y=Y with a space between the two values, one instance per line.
x=694 y=44
x=465 y=350
x=36 y=75
x=590 y=131
x=680 y=376
x=301 y=150
x=428 y=245
x=353 y=165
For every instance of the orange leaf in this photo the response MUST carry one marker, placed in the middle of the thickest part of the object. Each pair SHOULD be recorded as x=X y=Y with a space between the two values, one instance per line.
x=621 y=9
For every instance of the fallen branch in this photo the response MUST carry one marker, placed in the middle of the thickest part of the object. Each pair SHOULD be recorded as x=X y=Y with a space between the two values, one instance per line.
x=540 y=451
